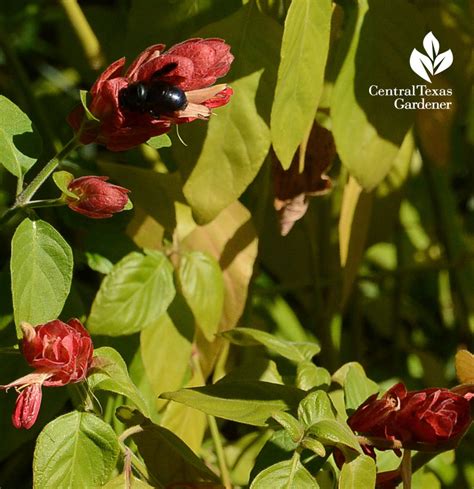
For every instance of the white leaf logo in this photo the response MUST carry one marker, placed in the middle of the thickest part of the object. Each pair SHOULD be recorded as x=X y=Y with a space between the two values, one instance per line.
x=430 y=63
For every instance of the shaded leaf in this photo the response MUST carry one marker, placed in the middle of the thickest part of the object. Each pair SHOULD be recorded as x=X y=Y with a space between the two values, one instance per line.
x=332 y=432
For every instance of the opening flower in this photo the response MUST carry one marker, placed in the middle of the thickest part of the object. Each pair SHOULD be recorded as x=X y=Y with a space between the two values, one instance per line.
x=158 y=90
x=96 y=198
x=61 y=354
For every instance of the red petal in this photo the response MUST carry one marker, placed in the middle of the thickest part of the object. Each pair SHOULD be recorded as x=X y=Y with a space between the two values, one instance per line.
x=112 y=71
x=146 y=55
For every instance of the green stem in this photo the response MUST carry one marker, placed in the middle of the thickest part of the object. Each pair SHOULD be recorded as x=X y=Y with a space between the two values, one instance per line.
x=216 y=438
x=25 y=197
x=34 y=204
x=84 y=32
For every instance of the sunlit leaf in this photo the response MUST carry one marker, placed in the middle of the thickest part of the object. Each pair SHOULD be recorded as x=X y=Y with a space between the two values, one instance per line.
x=135 y=293
x=300 y=75
x=41 y=271
x=75 y=450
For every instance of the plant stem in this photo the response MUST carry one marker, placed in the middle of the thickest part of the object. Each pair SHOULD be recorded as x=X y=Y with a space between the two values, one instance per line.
x=216 y=438
x=84 y=32
x=25 y=197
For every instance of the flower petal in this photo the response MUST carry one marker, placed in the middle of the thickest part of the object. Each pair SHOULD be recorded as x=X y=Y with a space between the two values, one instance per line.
x=146 y=55
x=27 y=407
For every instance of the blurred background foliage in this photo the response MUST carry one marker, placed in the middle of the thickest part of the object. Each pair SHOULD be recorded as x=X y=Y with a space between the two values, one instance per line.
x=402 y=301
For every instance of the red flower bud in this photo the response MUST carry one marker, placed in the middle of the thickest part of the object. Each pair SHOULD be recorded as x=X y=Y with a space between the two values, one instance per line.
x=191 y=67
x=97 y=199
x=27 y=407
x=61 y=354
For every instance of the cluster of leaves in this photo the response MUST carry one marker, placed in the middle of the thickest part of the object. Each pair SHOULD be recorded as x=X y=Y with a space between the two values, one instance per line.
x=379 y=272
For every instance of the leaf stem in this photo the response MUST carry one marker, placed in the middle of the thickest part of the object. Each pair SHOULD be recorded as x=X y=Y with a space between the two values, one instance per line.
x=25 y=197
x=216 y=438
x=89 y=42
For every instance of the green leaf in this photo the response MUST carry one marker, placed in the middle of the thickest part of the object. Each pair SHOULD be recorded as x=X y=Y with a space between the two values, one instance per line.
x=99 y=263
x=300 y=75
x=136 y=292
x=41 y=270
x=292 y=350
x=84 y=95
x=168 y=458
x=332 y=432
x=74 y=451
x=285 y=475
x=112 y=375
x=360 y=472
x=291 y=424
x=314 y=445
x=202 y=285
x=369 y=130
x=20 y=145
x=315 y=407
x=357 y=387
x=309 y=376
x=250 y=402
x=230 y=154
x=157 y=142
x=62 y=179
x=166 y=346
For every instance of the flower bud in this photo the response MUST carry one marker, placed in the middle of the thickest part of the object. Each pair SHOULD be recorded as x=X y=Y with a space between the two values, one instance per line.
x=97 y=198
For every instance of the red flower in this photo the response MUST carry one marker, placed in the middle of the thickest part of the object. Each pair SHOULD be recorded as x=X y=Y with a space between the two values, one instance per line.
x=97 y=199
x=61 y=354
x=432 y=416
x=192 y=66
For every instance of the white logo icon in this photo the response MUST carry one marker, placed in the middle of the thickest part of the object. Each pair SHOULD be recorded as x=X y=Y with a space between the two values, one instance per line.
x=430 y=63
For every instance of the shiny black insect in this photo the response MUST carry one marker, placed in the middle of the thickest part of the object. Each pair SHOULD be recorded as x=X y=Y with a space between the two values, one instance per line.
x=156 y=97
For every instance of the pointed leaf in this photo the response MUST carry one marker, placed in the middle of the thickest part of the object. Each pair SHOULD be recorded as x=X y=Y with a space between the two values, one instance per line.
x=332 y=432
x=304 y=51
x=20 y=145
x=112 y=376
x=135 y=293
x=421 y=65
x=285 y=475
x=202 y=285
x=41 y=271
x=250 y=402
x=292 y=350
x=75 y=450
x=443 y=61
x=431 y=45
x=358 y=387
x=157 y=142
x=62 y=179
x=315 y=446
x=309 y=376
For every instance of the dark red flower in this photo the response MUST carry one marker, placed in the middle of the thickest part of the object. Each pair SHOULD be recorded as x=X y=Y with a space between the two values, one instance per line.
x=61 y=354
x=97 y=198
x=432 y=416
x=196 y=65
